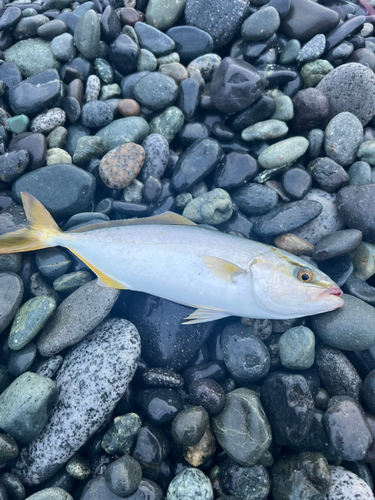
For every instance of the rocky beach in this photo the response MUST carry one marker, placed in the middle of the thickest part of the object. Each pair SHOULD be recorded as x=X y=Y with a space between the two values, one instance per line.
x=255 y=118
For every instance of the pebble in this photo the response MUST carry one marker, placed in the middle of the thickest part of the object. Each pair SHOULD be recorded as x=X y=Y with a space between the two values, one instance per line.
x=214 y=207
x=160 y=405
x=153 y=40
x=245 y=356
x=48 y=120
x=168 y=123
x=21 y=361
x=156 y=149
x=131 y=129
x=346 y=485
x=208 y=394
x=243 y=413
x=78 y=467
x=8 y=448
x=156 y=91
x=29 y=320
x=337 y=243
x=162 y=14
x=328 y=174
x=216 y=19
x=297 y=182
x=87 y=148
x=87 y=35
x=11 y=293
x=146 y=61
x=53 y=262
x=13 y=164
x=90 y=303
x=206 y=65
x=96 y=114
x=189 y=425
x=343 y=136
x=68 y=283
x=312 y=73
x=32 y=56
x=359 y=173
x=355 y=204
x=190 y=42
x=123 y=476
x=62 y=47
x=123 y=53
x=297 y=348
x=312 y=50
x=92 y=88
x=283 y=152
x=264 y=131
x=261 y=25
x=366 y=152
x=57 y=155
x=190 y=484
x=122 y=434
x=235 y=85
x=121 y=165
x=348 y=328
x=235 y=170
x=115 y=345
x=51 y=494
x=26 y=404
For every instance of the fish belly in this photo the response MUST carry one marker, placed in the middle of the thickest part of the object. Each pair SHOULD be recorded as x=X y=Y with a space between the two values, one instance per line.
x=166 y=261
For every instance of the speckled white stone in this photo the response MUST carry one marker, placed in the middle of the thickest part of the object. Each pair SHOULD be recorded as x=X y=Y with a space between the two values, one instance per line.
x=91 y=381
x=347 y=486
x=190 y=484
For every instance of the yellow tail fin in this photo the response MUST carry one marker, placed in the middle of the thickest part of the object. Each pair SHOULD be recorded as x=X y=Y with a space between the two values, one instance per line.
x=39 y=233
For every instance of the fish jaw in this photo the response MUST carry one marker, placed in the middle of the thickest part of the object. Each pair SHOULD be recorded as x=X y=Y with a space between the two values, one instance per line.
x=333 y=297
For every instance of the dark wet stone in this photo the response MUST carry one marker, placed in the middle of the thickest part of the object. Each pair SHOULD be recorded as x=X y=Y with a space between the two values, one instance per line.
x=338 y=375
x=53 y=262
x=70 y=189
x=347 y=429
x=162 y=377
x=131 y=209
x=343 y=137
x=20 y=361
x=152 y=189
x=245 y=355
x=288 y=404
x=166 y=343
x=338 y=268
x=369 y=390
x=195 y=163
x=150 y=449
x=337 y=243
x=188 y=99
x=153 y=40
x=235 y=85
x=243 y=416
x=355 y=205
x=193 y=131
x=340 y=54
x=115 y=345
x=132 y=129
x=262 y=109
x=244 y=481
x=348 y=328
x=52 y=29
x=306 y=474
x=123 y=476
x=363 y=56
x=220 y=20
x=76 y=68
x=110 y=24
x=306 y=19
x=160 y=405
x=26 y=405
x=96 y=114
x=287 y=218
x=123 y=53
x=10 y=17
x=207 y=393
x=11 y=293
x=156 y=91
x=328 y=174
x=311 y=106
x=34 y=144
x=235 y=170
x=8 y=449
x=36 y=93
x=190 y=42
x=127 y=84
x=10 y=74
x=129 y=16
x=13 y=164
x=296 y=182
x=344 y=30
x=222 y=131
x=360 y=289
x=72 y=109
x=13 y=486
x=189 y=425
x=261 y=25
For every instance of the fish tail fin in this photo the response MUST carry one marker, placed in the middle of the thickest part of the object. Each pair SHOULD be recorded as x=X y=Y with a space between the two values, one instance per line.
x=40 y=233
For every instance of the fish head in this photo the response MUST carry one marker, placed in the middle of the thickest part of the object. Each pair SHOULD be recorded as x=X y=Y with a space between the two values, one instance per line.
x=288 y=287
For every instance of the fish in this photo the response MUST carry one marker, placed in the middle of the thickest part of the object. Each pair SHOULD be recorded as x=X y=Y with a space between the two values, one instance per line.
x=171 y=257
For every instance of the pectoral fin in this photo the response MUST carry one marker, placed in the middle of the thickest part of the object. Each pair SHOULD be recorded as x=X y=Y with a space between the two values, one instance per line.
x=221 y=268
x=203 y=315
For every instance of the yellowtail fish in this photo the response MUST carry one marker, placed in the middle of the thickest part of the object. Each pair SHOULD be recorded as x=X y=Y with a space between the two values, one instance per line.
x=169 y=256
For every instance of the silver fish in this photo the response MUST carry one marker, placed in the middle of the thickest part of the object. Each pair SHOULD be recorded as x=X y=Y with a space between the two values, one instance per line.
x=169 y=256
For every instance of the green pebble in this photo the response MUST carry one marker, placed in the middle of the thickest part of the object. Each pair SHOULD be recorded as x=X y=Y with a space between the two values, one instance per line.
x=189 y=425
x=183 y=199
x=13 y=486
x=283 y=152
x=88 y=147
x=29 y=320
x=284 y=108
x=169 y=58
x=51 y=494
x=360 y=173
x=69 y=282
x=130 y=129
x=366 y=152
x=130 y=31
x=162 y=14
x=87 y=35
x=263 y=131
x=8 y=448
x=290 y=51
x=58 y=155
x=363 y=258
x=26 y=405
x=57 y=138
x=109 y=91
x=214 y=207
x=103 y=70
x=146 y=61
x=121 y=435
x=20 y=361
x=32 y=56
x=123 y=476
x=18 y=124
x=190 y=484
x=297 y=348
x=78 y=467
x=10 y=262
x=315 y=71
x=168 y=123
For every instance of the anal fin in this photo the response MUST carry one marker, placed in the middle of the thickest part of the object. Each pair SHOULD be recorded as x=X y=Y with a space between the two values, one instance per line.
x=203 y=315
x=103 y=279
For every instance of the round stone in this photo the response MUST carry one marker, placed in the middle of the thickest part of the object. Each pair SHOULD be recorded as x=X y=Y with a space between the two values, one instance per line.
x=123 y=476
x=11 y=293
x=347 y=485
x=122 y=434
x=310 y=107
x=343 y=136
x=297 y=348
x=121 y=165
x=214 y=207
x=156 y=91
x=207 y=393
x=168 y=123
x=96 y=114
x=328 y=174
x=21 y=361
x=366 y=152
x=255 y=198
x=312 y=50
x=261 y=25
x=162 y=14
x=29 y=320
x=313 y=72
x=51 y=494
x=337 y=243
x=128 y=107
x=189 y=485
x=189 y=425
x=146 y=61
x=130 y=129
x=32 y=56
x=48 y=120
x=58 y=155
x=87 y=35
x=283 y=152
x=264 y=131
x=356 y=205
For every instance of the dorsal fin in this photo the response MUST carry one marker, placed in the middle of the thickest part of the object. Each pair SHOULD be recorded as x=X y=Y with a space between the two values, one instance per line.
x=167 y=219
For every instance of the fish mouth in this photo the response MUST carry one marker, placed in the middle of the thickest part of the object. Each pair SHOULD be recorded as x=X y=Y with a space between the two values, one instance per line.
x=336 y=292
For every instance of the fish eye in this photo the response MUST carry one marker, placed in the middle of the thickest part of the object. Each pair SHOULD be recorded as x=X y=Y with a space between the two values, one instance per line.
x=305 y=275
